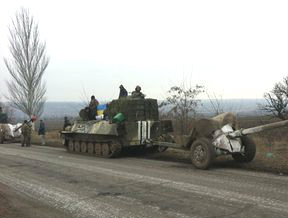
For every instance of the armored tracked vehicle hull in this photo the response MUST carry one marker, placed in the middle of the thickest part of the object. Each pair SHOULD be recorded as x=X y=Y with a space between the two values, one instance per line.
x=81 y=138
x=107 y=138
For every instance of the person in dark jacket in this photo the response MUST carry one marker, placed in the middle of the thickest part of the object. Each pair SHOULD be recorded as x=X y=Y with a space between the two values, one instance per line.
x=66 y=123
x=123 y=92
x=93 y=107
x=3 y=116
x=41 y=132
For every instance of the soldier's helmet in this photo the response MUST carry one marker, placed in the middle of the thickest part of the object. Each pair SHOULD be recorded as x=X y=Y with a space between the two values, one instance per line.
x=138 y=88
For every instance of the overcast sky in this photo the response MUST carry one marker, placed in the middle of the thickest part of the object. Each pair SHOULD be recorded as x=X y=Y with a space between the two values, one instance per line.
x=236 y=49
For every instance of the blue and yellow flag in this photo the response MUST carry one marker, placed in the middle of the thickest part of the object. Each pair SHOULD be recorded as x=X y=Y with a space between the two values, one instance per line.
x=101 y=108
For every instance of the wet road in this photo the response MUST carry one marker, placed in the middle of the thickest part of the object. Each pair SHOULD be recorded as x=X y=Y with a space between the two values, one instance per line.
x=59 y=184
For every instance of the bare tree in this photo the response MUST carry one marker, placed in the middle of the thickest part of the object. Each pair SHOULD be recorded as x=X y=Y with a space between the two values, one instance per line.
x=277 y=100
x=27 y=65
x=182 y=103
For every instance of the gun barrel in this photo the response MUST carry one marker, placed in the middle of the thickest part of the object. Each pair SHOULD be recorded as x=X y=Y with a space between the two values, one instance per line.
x=29 y=121
x=257 y=129
x=15 y=130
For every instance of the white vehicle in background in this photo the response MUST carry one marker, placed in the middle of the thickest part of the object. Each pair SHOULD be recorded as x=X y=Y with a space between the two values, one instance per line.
x=8 y=133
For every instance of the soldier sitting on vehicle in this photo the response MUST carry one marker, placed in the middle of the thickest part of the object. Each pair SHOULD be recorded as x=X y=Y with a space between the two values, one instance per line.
x=93 y=107
x=123 y=92
x=26 y=130
x=3 y=116
x=137 y=93
x=66 y=123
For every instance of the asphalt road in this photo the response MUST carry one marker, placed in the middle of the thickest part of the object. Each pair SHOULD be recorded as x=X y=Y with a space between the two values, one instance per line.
x=49 y=182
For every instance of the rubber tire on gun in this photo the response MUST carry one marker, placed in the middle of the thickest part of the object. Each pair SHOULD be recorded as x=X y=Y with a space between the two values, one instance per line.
x=202 y=153
x=249 y=151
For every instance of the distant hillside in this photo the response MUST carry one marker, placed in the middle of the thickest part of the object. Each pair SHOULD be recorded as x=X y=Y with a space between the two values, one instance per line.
x=242 y=107
x=57 y=110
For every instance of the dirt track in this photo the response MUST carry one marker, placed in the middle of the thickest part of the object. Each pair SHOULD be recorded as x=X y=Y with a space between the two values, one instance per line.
x=48 y=182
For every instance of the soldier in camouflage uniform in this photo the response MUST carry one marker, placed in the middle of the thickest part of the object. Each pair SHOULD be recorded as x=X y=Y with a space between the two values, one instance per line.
x=93 y=107
x=26 y=130
x=137 y=93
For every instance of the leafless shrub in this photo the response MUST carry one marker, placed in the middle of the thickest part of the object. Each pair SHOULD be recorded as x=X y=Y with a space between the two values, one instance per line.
x=277 y=100
x=182 y=103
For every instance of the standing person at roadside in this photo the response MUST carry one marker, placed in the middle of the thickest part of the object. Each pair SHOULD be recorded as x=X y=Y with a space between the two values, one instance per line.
x=42 y=131
x=26 y=130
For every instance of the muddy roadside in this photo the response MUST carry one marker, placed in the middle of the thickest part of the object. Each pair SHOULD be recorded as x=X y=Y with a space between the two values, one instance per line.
x=277 y=164
x=14 y=205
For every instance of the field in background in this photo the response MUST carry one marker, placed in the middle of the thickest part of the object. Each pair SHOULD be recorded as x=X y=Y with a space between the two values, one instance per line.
x=272 y=146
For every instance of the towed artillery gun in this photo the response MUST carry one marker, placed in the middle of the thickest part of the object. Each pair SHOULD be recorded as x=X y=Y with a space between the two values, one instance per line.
x=218 y=136
x=134 y=122
x=8 y=133
x=12 y=133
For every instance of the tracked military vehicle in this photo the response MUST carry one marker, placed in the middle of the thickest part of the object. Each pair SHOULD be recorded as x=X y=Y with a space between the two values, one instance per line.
x=134 y=122
x=127 y=122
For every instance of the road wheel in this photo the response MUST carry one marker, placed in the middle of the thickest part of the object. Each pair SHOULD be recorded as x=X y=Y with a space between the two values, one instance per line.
x=90 y=148
x=66 y=142
x=98 y=149
x=84 y=147
x=77 y=146
x=106 y=150
x=71 y=146
x=249 y=151
x=115 y=148
x=202 y=153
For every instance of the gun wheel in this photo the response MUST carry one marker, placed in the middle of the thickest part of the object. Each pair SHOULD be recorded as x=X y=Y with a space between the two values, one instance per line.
x=202 y=153
x=249 y=151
